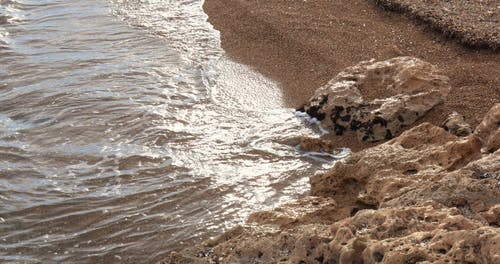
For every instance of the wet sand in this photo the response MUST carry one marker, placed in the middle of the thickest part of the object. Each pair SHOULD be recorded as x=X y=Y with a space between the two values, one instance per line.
x=303 y=44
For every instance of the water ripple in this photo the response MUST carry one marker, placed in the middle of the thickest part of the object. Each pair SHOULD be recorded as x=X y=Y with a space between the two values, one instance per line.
x=125 y=132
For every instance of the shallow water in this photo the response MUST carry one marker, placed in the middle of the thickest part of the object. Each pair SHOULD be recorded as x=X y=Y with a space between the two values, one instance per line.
x=126 y=132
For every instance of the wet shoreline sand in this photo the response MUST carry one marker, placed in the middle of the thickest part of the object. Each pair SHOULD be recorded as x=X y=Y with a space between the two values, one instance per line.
x=303 y=44
x=423 y=196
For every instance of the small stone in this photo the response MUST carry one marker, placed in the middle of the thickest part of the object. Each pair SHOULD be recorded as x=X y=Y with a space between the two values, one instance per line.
x=455 y=124
x=317 y=145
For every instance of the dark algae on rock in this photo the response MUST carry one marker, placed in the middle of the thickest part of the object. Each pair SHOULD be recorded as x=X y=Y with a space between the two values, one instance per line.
x=350 y=101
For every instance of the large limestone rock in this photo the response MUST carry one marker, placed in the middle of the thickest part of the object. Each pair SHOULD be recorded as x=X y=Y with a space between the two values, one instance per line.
x=423 y=233
x=378 y=99
x=424 y=163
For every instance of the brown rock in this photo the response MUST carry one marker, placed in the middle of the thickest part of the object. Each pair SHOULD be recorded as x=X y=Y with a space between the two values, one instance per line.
x=493 y=216
x=455 y=124
x=425 y=232
x=308 y=210
x=424 y=163
x=317 y=145
x=348 y=102
x=489 y=129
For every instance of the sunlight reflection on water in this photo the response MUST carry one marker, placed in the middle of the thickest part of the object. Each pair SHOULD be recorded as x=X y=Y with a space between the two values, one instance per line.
x=126 y=132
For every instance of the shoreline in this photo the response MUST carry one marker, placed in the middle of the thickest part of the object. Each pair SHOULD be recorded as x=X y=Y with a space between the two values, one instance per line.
x=439 y=200
x=303 y=44
x=428 y=194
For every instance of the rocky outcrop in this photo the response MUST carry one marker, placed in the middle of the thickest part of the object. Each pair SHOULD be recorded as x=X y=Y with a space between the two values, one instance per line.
x=426 y=196
x=349 y=102
x=424 y=163
x=422 y=234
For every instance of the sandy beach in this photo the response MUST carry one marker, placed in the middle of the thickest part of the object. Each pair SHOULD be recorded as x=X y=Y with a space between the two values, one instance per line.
x=472 y=23
x=424 y=195
x=303 y=44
